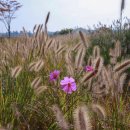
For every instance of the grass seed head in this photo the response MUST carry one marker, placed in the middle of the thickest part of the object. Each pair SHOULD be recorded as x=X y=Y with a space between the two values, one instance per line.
x=82 y=119
x=62 y=123
x=16 y=71
x=36 y=82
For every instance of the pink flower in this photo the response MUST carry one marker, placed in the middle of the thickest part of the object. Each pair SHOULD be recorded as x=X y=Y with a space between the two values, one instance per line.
x=88 y=68
x=68 y=85
x=54 y=75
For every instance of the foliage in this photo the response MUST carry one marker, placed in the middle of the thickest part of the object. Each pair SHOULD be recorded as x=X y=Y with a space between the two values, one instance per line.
x=64 y=31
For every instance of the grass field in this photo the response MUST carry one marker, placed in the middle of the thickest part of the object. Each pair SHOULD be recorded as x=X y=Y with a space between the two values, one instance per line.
x=73 y=81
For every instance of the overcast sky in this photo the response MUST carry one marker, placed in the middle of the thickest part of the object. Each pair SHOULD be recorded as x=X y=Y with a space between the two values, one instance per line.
x=67 y=13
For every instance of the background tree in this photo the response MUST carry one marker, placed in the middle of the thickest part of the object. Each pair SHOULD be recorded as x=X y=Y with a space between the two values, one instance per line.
x=66 y=31
x=7 y=11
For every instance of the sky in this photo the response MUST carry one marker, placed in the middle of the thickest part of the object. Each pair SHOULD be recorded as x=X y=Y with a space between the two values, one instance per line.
x=66 y=13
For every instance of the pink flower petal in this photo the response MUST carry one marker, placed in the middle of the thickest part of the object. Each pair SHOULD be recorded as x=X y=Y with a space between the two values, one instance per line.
x=73 y=86
x=89 y=68
x=54 y=75
x=68 y=85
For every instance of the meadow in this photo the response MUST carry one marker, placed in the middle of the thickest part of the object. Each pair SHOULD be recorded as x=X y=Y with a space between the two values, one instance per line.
x=66 y=82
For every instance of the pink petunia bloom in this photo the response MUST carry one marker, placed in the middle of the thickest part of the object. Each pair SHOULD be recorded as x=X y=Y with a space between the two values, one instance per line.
x=54 y=75
x=68 y=85
x=88 y=68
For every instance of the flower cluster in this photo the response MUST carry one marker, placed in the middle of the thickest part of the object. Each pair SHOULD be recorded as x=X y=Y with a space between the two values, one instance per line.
x=68 y=84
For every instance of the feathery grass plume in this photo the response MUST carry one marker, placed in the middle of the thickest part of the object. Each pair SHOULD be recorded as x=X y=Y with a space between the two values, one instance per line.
x=99 y=88
x=42 y=50
x=39 y=65
x=68 y=56
x=122 y=7
x=40 y=89
x=69 y=62
x=46 y=21
x=25 y=33
x=115 y=52
x=34 y=28
x=97 y=69
x=76 y=47
x=57 y=44
x=41 y=26
x=98 y=64
x=45 y=37
x=80 y=58
x=120 y=67
x=60 y=50
x=112 y=52
x=70 y=69
x=36 y=82
x=16 y=71
x=121 y=82
x=31 y=66
x=96 y=51
x=37 y=31
x=90 y=60
x=115 y=87
x=114 y=81
x=62 y=123
x=83 y=39
x=89 y=85
x=87 y=76
x=82 y=119
x=118 y=49
x=48 y=44
x=107 y=77
x=40 y=38
x=99 y=110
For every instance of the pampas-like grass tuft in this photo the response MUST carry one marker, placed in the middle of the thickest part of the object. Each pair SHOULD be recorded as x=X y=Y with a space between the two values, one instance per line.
x=36 y=82
x=80 y=58
x=99 y=110
x=77 y=46
x=40 y=89
x=83 y=39
x=82 y=119
x=16 y=71
x=46 y=21
x=31 y=66
x=96 y=51
x=39 y=65
x=124 y=65
x=121 y=82
x=118 y=49
x=62 y=123
x=60 y=50
x=69 y=62
x=90 y=60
